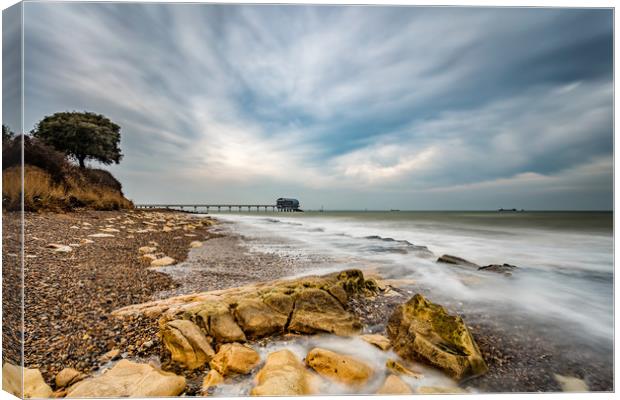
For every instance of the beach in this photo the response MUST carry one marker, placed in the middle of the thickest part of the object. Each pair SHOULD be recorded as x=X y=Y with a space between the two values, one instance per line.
x=70 y=297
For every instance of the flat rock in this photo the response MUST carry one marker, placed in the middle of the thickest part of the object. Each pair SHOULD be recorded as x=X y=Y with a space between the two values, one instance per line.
x=60 y=248
x=379 y=341
x=234 y=358
x=257 y=319
x=283 y=375
x=110 y=355
x=318 y=311
x=394 y=385
x=571 y=384
x=216 y=319
x=186 y=343
x=101 y=235
x=147 y=249
x=195 y=244
x=68 y=377
x=421 y=330
x=448 y=259
x=439 y=390
x=505 y=269
x=399 y=369
x=162 y=262
x=33 y=383
x=129 y=379
x=86 y=241
x=338 y=367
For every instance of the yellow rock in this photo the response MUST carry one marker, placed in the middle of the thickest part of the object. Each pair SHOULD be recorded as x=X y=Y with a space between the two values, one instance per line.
x=394 y=385
x=33 y=383
x=421 y=330
x=234 y=358
x=339 y=367
x=399 y=369
x=212 y=379
x=439 y=389
x=318 y=311
x=68 y=377
x=217 y=320
x=377 y=340
x=571 y=384
x=187 y=344
x=129 y=379
x=162 y=262
x=283 y=375
x=195 y=244
x=147 y=249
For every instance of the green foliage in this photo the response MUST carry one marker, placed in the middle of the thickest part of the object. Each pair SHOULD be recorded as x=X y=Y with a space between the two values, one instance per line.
x=82 y=136
x=7 y=134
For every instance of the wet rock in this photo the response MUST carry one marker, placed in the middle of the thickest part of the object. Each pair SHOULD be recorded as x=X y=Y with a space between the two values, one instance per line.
x=283 y=375
x=33 y=383
x=379 y=341
x=212 y=379
x=234 y=358
x=68 y=377
x=129 y=379
x=505 y=269
x=571 y=384
x=394 y=385
x=399 y=369
x=187 y=344
x=317 y=311
x=338 y=367
x=195 y=244
x=162 y=262
x=422 y=330
x=257 y=319
x=448 y=259
x=218 y=322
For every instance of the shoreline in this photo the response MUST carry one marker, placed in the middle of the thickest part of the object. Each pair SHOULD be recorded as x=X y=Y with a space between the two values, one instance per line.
x=75 y=293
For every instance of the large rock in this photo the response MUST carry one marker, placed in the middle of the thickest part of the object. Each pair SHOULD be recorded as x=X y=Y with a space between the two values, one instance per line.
x=218 y=322
x=33 y=383
x=571 y=384
x=187 y=344
x=338 y=367
x=234 y=358
x=318 y=311
x=394 y=385
x=448 y=259
x=257 y=319
x=283 y=375
x=399 y=369
x=421 y=330
x=379 y=341
x=211 y=380
x=129 y=379
x=68 y=377
x=505 y=269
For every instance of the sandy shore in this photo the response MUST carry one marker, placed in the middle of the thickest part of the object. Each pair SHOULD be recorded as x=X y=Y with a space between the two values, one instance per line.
x=69 y=298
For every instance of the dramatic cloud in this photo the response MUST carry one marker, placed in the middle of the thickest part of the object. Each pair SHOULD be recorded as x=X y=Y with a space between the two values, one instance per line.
x=347 y=107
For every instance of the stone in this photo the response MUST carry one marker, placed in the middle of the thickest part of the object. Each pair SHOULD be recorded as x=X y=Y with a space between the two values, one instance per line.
x=148 y=257
x=212 y=379
x=421 y=330
x=162 y=262
x=283 y=375
x=86 y=241
x=257 y=319
x=505 y=269
x=187 y=344
x=394 y=385
x=166 y=229
x=379 y=341
x=129 y=379
x=399 y=369
x=317 y=311
x=110 y=355
x=147 y=249
x=439 y=390
x=448 y=259
x=218 y=322
x=234 y=358
x=109 y=230
x=68 y=377
x=571 y=384
x=101 y=235
x=195 y=244
x=59 y=248
x=338 y=367
x=33 y=383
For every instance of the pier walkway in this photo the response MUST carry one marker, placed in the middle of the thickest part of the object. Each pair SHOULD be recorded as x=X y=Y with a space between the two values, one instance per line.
x=206 y=207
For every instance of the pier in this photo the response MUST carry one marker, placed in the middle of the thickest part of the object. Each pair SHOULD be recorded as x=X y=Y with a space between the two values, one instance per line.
x=219 y=207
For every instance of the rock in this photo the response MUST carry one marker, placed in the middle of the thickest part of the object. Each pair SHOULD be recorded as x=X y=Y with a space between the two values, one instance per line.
x=187 y=344
x=166 y=229
x=283 y=375
x=257 y=319
x=505 y=269
x=234 y=358
x=394 y=385
x=571 y=384
x=439 y=389
x=317 y=311
x=148 y=257
x=109 y=230
x=212 y=379
x=33 y=383
x=59 y=248
x=421 y=330
x=129 y=379
x=101 y=235
x=162 y=262
x=110 y=355
x=399 y=369
x=448 y=259
x=195 y=244
x=218 y=322
x=147 y=249
x=86 y=241
x=379 y=341
x=68 y=377
x=339 y=367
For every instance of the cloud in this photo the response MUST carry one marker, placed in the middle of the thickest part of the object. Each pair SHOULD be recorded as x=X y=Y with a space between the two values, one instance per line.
x=264 y=100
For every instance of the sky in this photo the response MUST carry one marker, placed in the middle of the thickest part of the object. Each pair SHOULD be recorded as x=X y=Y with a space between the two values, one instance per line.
x=344 y=107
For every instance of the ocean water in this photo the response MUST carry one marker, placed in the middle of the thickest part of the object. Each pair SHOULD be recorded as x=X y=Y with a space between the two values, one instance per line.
x=564 y=279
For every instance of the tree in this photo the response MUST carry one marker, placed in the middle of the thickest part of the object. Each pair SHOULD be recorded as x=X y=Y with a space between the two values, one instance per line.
x=7 y=133
x=82 y=136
